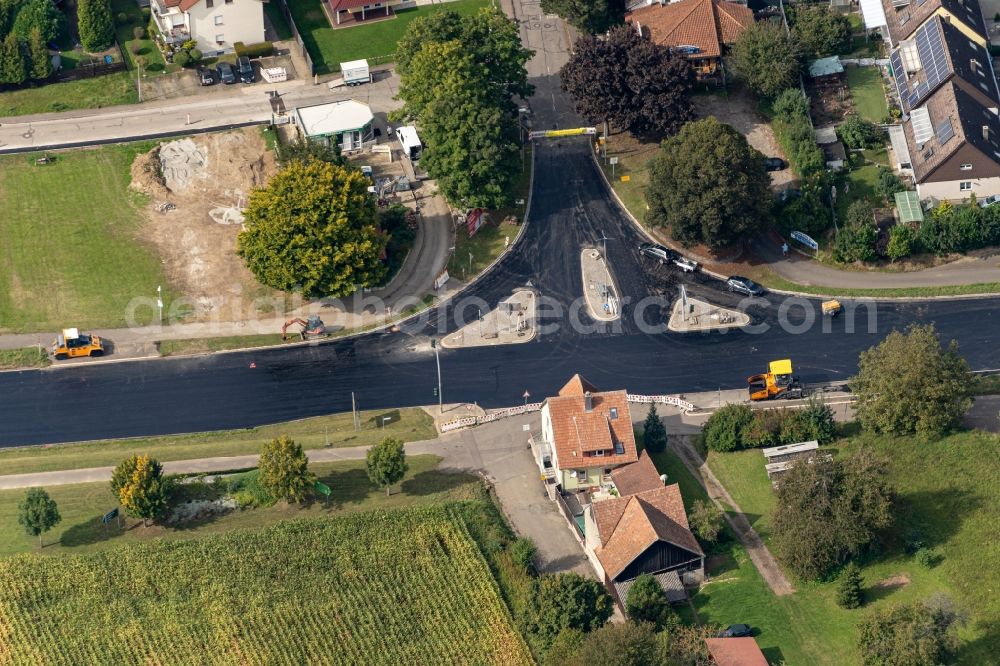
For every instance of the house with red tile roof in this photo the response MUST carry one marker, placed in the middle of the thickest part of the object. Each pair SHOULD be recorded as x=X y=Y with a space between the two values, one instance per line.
x=586 y=433
x=735 y=652
x=215 y=25
x=701 y=30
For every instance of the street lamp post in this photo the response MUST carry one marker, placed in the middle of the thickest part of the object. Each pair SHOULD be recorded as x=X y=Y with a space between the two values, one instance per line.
x=437 y=359
x=159 y=302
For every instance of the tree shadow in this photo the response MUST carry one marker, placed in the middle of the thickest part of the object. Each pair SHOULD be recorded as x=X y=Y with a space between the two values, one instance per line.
x=934 y=515
x=773 y=654
x=93 y=531
x=720 y=563
x=434 y=481
x=985 y=648
x=883 y=590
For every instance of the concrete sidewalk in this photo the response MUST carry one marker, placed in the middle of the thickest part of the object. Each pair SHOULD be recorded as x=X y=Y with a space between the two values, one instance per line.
x=978 y=268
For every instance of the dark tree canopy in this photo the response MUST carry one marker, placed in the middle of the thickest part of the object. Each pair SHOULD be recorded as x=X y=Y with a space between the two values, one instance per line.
x=630 y=81
x=386 y=463
x=95 y=24
x=910 y=384
x=708 y=185
x=910 y=634
x=706 y=520
x=37 y=513
x=849 y=591
x=654 y=433
x=767 y=59
x=42 y=15
x=13 y=67
x=312 y=228
x=41 y=61
x=304 y=150
x=830 y=510
x=626 y=644
x=590 y=16
x=820 y=31
x=568 y=601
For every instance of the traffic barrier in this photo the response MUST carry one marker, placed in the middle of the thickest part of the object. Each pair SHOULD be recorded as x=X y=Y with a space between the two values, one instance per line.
x=663 y=400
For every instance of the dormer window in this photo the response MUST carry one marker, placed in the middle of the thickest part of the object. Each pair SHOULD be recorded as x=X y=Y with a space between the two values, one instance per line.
x=614 y=413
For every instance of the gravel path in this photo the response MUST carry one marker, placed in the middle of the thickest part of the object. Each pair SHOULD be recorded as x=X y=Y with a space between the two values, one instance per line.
x=759 y=554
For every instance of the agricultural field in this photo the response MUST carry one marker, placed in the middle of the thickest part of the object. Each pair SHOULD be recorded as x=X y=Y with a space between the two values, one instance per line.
x=71 y=255
x=947 y=498
x=408 y=586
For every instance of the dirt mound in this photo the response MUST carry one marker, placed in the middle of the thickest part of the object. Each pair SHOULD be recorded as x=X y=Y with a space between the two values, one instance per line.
x=207 y=179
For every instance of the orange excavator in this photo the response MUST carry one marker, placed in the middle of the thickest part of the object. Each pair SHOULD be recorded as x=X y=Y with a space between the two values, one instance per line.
x=777 y=383
x=313 y=328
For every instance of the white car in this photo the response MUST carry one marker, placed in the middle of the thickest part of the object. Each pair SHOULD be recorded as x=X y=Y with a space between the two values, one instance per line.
x=685 y=264
x=989 y=201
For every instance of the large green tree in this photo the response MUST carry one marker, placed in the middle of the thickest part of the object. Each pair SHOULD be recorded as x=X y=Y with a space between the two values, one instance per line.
x=386 y=463
x=305 y=150
x=820 y=31
x=708 y=185
x=95 y=24
x=646 y=602
x=849 y=591
x=830 y=510
x=766 y=58
x=706 y=520
x=312 y=228
x=630 y=81
x=37 y=513
x=910 y=384
x=140 y=486
x=654 y=433
x=284 y=470
x=909 y=634
x=568 y=601
x=41 y=61
x=42 y=15
x=590 y=16
x=13 y=68
x=625 y=644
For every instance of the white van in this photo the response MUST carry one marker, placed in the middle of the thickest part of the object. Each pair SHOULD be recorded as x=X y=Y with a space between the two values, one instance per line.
x=411 y=142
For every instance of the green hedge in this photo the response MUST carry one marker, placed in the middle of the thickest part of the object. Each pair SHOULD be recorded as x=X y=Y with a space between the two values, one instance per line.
x=260 y=50
x=795 y=133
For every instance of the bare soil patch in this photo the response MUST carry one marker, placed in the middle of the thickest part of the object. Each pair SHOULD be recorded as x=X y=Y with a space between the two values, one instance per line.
x=207 y=179
x=892 y=582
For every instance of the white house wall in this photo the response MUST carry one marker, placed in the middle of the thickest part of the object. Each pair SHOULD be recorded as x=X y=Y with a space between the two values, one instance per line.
x=950 y=190
x=235 y=21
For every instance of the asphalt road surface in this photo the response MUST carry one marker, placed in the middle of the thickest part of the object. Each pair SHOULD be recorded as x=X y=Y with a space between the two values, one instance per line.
x=570 y=209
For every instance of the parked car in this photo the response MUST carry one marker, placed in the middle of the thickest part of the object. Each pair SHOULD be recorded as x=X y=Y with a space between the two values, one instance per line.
x=685 y=264
x=744 y=286
x=206 y=76
x=245 y=68
x=736 y=631
x=775 y=164
x=658 y=252
x=989 y=201
x=226 y=73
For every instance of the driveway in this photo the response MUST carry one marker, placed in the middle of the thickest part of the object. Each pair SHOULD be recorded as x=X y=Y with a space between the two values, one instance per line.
x=737 y=109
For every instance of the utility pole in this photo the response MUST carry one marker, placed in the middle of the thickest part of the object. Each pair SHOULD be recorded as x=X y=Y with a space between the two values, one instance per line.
x=138 y=79
x=437 y=359
x=354 y=412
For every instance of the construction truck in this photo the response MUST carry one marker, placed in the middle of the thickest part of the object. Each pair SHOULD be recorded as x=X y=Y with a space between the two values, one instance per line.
x=71 y=344
x=314 y=328
x=776 y=384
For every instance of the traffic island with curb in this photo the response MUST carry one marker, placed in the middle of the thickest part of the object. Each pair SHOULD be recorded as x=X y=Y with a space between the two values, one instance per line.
x=512 y=322
x=599 y=288
x=694 y=315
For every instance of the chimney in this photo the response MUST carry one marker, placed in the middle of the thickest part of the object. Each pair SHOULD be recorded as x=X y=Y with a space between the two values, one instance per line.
x=588 y=402
x=974 y=65
x=986 y=132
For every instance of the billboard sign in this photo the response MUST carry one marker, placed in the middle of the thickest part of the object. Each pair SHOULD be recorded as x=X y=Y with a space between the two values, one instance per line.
x=473 y=220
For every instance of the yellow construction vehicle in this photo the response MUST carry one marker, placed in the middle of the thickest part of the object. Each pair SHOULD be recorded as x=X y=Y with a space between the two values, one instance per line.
x=777 y=383
x=72 y=343
x=314 y=328
x=832 y=308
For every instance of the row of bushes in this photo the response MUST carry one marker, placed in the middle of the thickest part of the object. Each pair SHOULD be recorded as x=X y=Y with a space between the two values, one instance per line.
x=737 y=426
x=261 y=50
x=795 y=133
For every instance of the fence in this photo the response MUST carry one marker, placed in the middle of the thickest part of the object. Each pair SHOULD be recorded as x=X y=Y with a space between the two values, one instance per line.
x=536 y=406
x=303 y=51
x=96 y=68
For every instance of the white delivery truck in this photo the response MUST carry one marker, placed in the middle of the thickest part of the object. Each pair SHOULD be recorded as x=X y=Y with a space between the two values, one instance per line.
x=407 y=136
x=355 y=72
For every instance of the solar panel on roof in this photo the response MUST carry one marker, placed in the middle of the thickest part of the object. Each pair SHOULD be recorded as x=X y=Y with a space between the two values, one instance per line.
x=920 y=2
x=945 y=131
x=896 y=61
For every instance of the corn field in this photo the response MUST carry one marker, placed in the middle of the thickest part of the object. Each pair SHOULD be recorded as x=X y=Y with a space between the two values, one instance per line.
x=401 y=587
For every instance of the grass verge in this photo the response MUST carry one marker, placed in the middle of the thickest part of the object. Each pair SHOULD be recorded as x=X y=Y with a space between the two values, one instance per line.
x=206 y=345
x=25 y=357
x=772 y=280
x=95 y=93
x=82 y=506
x=406 y=424
x=329 y=47
x=947 y=496
x=124 y=33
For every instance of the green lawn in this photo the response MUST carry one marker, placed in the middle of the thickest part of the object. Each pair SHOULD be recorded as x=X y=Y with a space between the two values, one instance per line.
x=95 y=93
x=82 y=505
x=71 y=255
x=866 y=89
x=277 y=19
x=329 y=47
x=205 y=345
x=126 y=37
x=633 y=162
x=407 y=424
x=947 y=493
x=25 y=357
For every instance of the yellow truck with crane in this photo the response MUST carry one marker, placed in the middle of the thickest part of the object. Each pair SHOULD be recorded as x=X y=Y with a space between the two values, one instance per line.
x=72 y=344
x=777 y=383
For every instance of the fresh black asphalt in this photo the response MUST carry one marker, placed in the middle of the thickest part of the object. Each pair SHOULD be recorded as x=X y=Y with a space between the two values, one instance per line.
x=571 y=209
